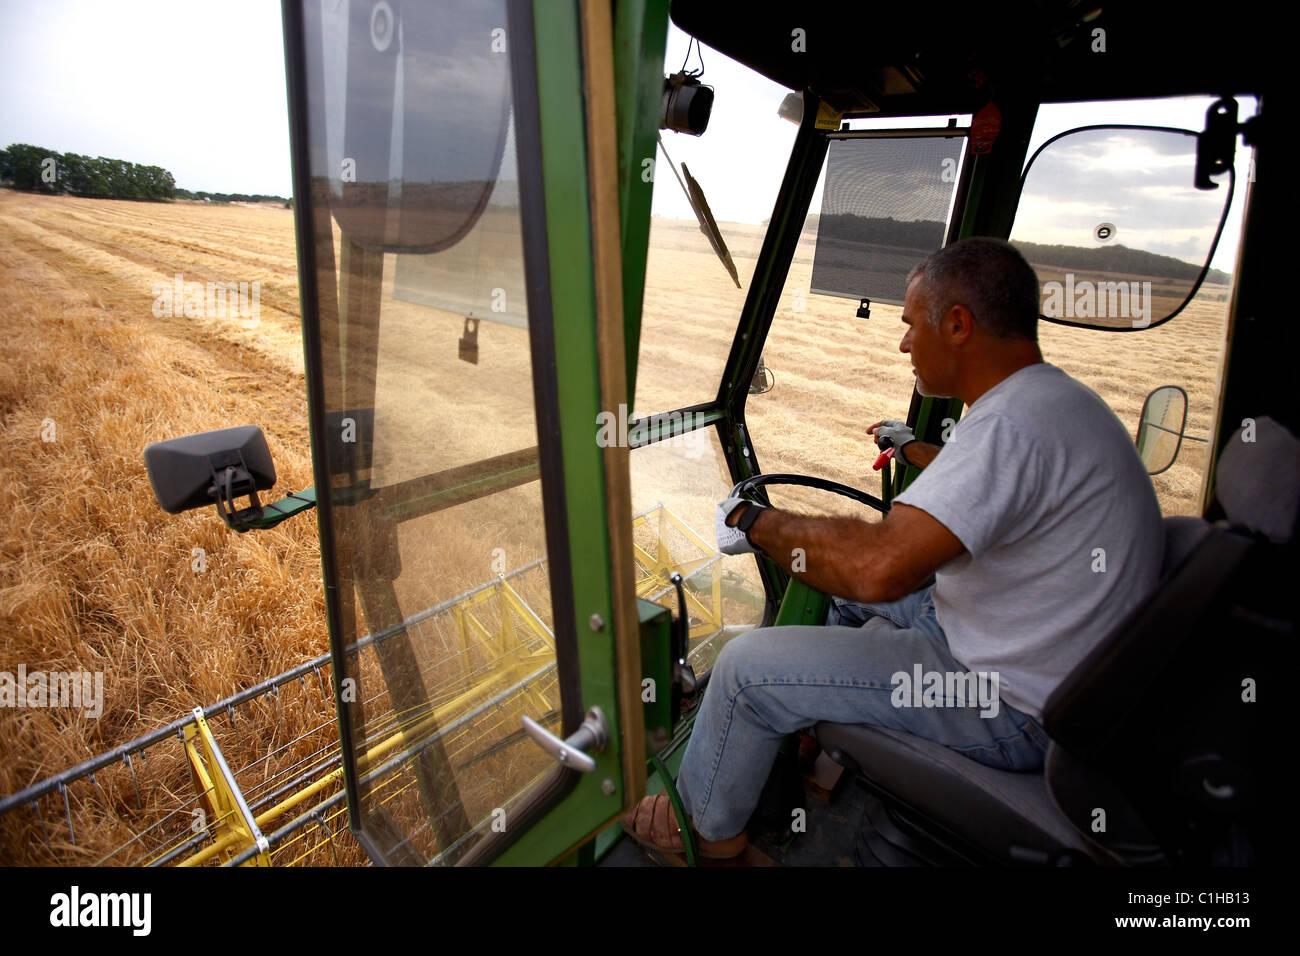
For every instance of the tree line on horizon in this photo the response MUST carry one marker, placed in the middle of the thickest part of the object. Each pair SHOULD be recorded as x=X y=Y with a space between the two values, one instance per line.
x=37 y=169
x=41 y=170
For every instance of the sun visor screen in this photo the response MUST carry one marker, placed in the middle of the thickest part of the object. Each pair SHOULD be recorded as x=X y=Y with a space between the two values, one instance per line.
x=481 y=276
x=884 y=209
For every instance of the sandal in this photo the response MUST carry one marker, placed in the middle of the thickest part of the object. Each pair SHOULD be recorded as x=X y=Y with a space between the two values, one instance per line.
x=653 y=824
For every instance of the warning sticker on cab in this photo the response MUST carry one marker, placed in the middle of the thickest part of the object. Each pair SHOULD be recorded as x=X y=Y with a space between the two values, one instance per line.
x=827 y=118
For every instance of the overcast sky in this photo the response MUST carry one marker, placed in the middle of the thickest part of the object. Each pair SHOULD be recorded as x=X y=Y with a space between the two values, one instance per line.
x=198 y=88
x=194 y=87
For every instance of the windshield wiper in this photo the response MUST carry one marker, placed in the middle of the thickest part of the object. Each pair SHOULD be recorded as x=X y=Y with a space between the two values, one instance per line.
x=695 y=196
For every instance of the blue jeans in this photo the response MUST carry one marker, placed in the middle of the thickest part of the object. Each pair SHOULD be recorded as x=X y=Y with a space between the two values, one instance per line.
x=773 y=681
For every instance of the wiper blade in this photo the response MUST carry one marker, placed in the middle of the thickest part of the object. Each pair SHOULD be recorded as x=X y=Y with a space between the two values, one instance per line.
x=695 y=196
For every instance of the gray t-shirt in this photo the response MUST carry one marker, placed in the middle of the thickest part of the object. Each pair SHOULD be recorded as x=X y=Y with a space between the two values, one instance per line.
x=1043 y=485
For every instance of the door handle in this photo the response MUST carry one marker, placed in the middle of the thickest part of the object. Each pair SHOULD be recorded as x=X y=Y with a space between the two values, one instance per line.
x=592 y=735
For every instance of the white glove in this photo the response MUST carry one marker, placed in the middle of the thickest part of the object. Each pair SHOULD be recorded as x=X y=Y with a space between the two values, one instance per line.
x=733 y=540
x=897 y=432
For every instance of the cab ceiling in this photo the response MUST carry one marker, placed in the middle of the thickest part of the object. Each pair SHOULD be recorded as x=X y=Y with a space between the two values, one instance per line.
x=924 y=58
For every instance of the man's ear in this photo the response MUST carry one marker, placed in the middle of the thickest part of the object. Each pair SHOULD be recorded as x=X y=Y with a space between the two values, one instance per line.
x=959 y=324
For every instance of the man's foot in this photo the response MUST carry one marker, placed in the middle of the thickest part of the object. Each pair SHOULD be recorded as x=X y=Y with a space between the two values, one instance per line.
x=653 y=824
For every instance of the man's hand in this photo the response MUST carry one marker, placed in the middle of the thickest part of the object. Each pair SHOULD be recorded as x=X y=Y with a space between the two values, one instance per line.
x=731 y=539
x=890 y=433
x=896 y=432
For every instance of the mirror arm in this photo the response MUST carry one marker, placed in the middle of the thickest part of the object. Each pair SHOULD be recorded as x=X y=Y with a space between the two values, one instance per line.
x=292 y=504
x=1216 y=146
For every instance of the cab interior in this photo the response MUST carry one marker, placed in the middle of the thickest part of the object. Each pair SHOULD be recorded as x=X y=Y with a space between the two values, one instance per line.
x=1138 y=773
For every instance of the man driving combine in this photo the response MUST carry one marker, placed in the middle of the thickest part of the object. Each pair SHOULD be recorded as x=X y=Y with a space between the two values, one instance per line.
x=1036 y=520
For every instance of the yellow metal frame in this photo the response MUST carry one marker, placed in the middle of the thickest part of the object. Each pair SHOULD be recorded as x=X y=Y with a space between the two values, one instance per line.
x=657 y=569
x=220 y=796
x=516 y=646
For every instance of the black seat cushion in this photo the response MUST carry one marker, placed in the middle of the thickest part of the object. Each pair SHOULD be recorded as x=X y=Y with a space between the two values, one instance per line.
x=997 y=810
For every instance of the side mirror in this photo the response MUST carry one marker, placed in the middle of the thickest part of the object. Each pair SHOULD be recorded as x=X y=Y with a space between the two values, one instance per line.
x=1160 y=427
x=212 y=468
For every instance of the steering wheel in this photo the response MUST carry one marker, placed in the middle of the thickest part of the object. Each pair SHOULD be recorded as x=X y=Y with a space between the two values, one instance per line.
x=745 y=489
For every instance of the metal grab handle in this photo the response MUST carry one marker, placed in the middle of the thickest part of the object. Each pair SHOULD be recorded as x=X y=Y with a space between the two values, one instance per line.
x=592 y=735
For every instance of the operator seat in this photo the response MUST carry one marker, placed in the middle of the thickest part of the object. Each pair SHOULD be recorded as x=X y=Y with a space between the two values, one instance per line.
x=1155 y=753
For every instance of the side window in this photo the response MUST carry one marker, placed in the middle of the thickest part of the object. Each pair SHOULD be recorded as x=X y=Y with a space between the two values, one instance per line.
x=448 y=622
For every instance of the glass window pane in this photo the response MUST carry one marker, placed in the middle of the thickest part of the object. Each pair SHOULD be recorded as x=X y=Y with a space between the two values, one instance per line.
x=832 y=375
x=430 y=429
x=1189 y=350
x=691 y=304
x=676 y=487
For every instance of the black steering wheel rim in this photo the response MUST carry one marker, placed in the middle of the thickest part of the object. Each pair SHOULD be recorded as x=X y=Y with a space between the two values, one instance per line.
x=745 y=488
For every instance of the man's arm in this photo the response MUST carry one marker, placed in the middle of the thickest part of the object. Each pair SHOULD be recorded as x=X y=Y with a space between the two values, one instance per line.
x=855 y=559
x=918 y=453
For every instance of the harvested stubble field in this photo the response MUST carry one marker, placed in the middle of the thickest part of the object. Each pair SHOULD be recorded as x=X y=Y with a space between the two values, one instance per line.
x=94 y=576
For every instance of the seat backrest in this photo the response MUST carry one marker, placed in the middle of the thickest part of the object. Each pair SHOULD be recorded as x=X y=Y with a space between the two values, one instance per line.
x=1085 y=711
x=1165 y=706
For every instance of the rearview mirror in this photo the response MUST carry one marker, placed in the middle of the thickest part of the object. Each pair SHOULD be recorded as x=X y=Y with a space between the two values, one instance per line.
x=414 y=131
x=1160 y=427
x=1114 y=226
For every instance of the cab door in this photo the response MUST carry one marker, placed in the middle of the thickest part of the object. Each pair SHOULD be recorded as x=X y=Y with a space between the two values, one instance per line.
x=457 y=220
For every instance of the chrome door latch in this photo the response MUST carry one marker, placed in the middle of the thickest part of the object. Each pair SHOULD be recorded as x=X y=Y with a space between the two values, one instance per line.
x=592 y=735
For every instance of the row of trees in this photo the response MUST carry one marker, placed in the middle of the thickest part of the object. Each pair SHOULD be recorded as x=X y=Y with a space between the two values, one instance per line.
x=43 y=170
x=908 y=234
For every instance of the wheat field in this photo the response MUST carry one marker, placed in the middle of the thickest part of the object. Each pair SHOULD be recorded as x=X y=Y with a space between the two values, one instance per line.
x=94 y=576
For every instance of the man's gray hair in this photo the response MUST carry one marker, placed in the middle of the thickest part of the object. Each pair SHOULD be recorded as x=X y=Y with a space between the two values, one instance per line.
x=988 y=276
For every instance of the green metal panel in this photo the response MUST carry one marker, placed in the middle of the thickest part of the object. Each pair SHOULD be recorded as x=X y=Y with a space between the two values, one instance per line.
x=568 y=228
x=671 y=759
x=656 y=664
x=640 y=36
x=802 y=605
